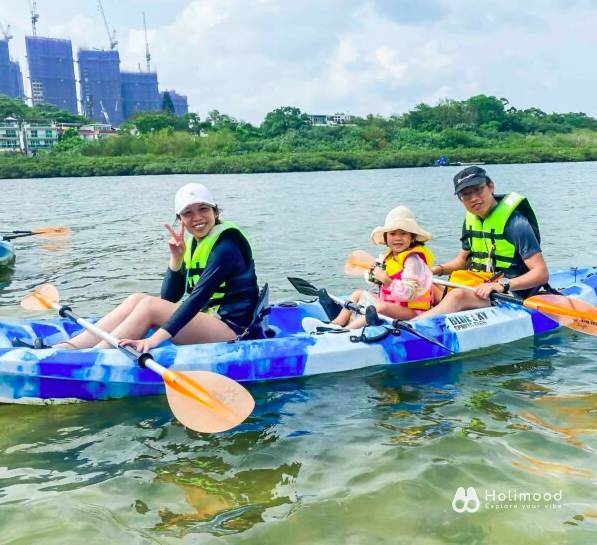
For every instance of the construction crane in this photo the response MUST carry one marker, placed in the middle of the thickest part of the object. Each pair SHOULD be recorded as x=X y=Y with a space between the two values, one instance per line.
x=34 y=16
x=111 y=35
x=6 y=32
x=147 y=55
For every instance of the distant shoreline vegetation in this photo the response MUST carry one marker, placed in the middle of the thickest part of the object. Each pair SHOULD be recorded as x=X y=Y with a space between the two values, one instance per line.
x=481 y=129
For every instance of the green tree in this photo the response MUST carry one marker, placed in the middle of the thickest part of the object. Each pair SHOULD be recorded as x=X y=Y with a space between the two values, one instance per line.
x=69 y=142
x=147 y=122
x=283 y=119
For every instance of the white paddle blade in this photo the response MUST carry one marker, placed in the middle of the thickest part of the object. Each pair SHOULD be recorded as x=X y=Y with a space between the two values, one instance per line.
x=225 y=404
x=41 y=298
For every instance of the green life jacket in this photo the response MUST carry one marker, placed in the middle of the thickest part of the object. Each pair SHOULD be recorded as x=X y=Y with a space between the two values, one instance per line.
x=489 y=249
x=234 y=297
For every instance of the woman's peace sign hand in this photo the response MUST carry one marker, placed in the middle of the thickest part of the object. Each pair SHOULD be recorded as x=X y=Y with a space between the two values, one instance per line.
x=176 y=245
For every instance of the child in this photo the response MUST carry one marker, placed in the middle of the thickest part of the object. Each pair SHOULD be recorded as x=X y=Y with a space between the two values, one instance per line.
x=403 y=272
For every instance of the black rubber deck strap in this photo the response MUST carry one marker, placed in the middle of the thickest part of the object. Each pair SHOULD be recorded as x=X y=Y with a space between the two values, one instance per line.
x=142 y=359
x=65 y=311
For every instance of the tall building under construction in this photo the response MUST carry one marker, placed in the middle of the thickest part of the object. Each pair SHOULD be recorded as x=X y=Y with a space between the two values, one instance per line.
x=180 y=102
x=51 y=72
x=101 y=85
x=139 y=92
x=11 y=79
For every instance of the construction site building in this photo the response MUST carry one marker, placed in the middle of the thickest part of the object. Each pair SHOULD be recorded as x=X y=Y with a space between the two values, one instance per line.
x=139 y=93
x=51 y=71
x=180 y=102
x=11 y=80
x=101 y=86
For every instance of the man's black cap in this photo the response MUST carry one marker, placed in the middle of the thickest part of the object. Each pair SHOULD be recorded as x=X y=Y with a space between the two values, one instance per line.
x=469 y=177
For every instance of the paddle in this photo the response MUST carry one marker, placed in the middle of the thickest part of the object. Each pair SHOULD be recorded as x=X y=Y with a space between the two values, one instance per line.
x=357 y=262
x=306 y=288
x=47 y=232
x=567 y=311
x=201 y=400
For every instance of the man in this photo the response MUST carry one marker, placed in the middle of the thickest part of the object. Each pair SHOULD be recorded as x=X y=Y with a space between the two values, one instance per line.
x=500 y=234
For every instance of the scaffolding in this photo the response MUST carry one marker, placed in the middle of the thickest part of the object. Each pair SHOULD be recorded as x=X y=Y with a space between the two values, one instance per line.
x=16 y=80
x=51 y=72
x=180 y=102
x=139 y=92
x=101 y=85
x=5 y=85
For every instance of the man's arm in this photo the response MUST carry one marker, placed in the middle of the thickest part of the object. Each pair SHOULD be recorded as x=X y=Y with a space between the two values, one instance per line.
x=458 y=263
x=537 y=275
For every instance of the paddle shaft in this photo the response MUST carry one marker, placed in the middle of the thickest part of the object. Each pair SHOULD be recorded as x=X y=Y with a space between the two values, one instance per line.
x=498 y=296
x=398 y=324
x=19 y=235
x=145 y=360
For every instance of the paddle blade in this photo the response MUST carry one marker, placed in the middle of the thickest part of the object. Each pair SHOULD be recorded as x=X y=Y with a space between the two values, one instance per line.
x=357 y=262
x=41 y=298
x=207 y=402
x=303 y=286
x=567 y=311
x=51 y=232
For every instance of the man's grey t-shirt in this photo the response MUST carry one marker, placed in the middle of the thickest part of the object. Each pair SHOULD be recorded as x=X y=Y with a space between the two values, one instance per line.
x=520 y=233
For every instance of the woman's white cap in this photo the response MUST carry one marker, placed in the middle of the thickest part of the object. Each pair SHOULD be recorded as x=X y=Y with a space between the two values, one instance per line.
x=400 y=218
x=191 y=194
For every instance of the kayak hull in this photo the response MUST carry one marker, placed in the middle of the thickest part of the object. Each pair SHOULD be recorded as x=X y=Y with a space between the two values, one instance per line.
x=7 y=254
x=51 y=376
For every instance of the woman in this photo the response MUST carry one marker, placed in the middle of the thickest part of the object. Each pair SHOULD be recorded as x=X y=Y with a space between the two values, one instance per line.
x=215 y=266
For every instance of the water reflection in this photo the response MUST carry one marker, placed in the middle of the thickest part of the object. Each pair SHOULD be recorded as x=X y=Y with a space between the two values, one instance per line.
x=221 y=499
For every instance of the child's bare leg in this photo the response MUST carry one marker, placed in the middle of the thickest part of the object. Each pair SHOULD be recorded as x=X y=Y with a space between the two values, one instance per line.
x=344 y=317
x=395 y=311
x=357 y=323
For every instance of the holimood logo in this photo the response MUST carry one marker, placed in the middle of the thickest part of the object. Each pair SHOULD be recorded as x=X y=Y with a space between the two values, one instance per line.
x=466 y=500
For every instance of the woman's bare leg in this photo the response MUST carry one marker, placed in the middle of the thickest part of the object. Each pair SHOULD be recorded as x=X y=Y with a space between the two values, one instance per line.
x=154 y=312
x=107 y=323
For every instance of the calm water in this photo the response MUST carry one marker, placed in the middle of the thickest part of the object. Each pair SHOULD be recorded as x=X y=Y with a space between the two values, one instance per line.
x=373 y=456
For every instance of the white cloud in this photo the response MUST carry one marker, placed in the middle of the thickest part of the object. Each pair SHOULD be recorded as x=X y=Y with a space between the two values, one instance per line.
x=246 y=57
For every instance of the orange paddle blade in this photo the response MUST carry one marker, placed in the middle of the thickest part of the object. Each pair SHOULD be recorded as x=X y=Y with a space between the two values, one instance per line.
x=357 y=262
x=50 y=232
x=225 y=402
x=41 y=298
x=567 y=311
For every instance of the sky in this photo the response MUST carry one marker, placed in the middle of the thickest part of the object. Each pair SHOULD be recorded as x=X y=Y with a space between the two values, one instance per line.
x=248 y=57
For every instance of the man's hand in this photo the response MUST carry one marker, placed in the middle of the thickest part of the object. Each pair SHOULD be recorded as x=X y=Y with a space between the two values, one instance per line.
x=484 y=290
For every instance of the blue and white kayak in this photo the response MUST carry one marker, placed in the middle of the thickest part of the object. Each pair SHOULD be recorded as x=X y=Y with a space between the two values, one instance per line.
x=50 y=375
x=7 y=254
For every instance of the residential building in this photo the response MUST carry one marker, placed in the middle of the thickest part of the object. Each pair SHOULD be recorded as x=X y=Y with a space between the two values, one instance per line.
x=96 y=131
x=322 y=120
x=10 y=136
x=39 y=137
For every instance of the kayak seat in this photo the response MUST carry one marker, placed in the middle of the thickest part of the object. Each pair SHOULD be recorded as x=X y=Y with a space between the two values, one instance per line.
x=259 y=328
